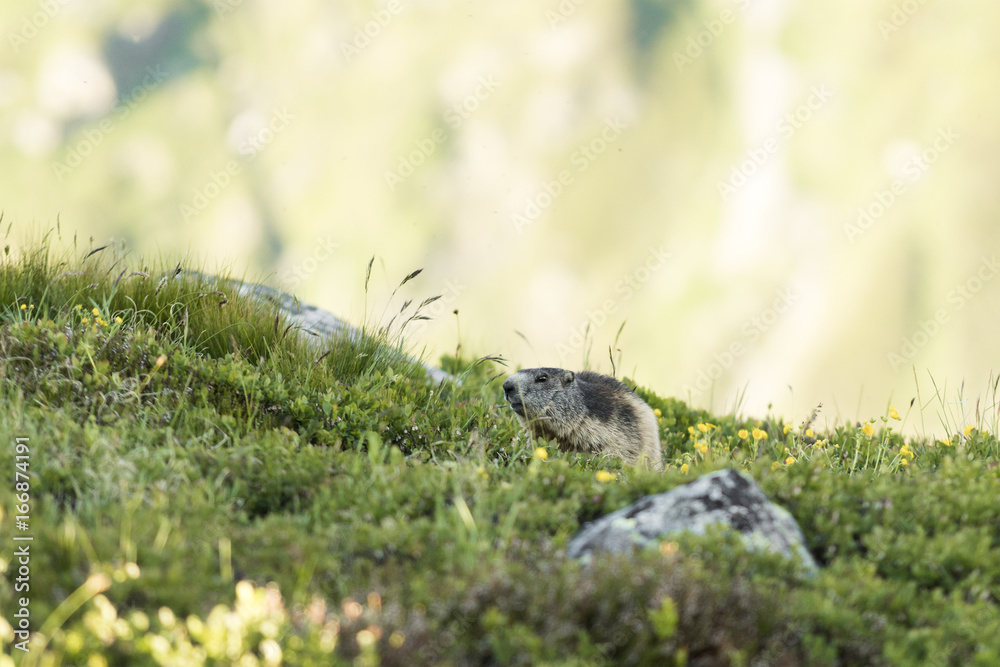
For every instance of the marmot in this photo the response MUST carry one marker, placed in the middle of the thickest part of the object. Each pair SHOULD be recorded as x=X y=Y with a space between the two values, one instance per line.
x=585 y=412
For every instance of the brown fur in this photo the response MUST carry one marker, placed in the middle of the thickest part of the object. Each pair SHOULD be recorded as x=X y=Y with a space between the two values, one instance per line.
x=585 y=412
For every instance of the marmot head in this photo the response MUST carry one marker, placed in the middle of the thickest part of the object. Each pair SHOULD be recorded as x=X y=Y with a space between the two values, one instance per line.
x=532 y=391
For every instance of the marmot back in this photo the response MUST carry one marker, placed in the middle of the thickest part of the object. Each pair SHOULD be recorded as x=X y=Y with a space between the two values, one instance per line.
x=585 y=412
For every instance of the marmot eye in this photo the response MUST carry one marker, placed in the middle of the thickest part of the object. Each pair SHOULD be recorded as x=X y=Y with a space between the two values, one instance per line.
x=541 y=377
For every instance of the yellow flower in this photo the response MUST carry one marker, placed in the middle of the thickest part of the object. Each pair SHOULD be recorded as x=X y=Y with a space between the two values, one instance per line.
x=809 y=433
x=96 y=312
x=166 y=616
x=85 y=320
x=24 y=307
x=904 y=462
x=758 y=434
x=946 y=443
x=118 y=320
x=139 y=620
x=701 y=447
x=742 y=433
x=668 y=548
x=868 y=429
x=905 y=451
x=691 y=431
x=775 y=465
x=790 y=460
x=684 y=468
x=78 y=306
x=541 y=454
x=605 y=476
x=656 y=411
x=968 y=430
x=892 y=412
x=788 y=427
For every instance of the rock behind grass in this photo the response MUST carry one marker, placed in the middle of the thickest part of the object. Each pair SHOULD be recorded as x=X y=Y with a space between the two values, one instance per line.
x=725 y=497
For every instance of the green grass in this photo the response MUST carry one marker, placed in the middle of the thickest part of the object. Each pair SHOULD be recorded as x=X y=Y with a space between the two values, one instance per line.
x=207 y=486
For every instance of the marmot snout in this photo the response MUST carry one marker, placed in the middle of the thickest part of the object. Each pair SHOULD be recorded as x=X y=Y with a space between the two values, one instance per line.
x=585 y=412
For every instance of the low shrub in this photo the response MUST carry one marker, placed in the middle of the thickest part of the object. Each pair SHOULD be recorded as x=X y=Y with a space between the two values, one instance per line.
x=209 y=488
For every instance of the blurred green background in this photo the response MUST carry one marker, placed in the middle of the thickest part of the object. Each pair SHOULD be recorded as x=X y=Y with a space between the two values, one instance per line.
x=784 y=202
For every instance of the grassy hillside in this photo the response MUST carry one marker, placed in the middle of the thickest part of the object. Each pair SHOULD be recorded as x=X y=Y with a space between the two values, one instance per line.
x=204 y=485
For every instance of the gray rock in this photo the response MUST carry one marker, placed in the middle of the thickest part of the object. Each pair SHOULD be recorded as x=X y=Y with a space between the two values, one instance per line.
x=725 y=497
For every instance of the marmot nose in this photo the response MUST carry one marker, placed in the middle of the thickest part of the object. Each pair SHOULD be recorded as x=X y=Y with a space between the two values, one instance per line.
x=508 y=386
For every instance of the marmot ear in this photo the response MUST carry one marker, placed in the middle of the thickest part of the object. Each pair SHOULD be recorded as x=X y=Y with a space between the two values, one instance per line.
x=568 y=377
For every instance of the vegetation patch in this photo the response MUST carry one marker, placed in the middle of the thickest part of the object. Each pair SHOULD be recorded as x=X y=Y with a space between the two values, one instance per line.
x=208 y=486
